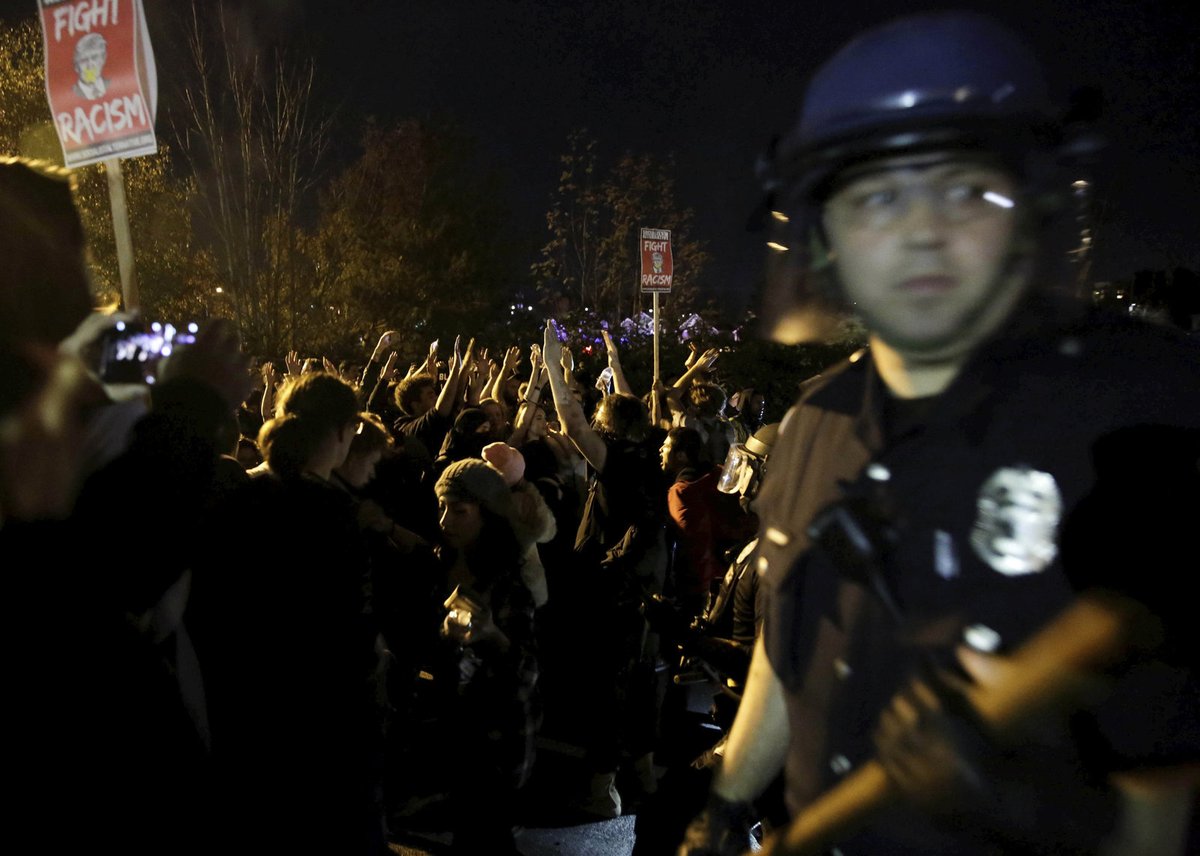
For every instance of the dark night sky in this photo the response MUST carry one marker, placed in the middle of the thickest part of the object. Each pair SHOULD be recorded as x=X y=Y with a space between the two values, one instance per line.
x=714 y=81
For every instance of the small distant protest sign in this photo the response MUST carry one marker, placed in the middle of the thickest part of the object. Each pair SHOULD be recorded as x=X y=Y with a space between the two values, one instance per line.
x=100 y=78
x=657 y=265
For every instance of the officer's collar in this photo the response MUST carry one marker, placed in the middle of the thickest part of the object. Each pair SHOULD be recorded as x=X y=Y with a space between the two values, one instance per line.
x=855 y=388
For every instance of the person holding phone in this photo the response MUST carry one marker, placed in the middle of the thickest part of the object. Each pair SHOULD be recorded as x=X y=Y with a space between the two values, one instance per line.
x=490 y=620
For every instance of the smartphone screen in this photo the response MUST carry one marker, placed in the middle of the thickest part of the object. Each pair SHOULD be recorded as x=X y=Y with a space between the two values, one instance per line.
x=132 y=350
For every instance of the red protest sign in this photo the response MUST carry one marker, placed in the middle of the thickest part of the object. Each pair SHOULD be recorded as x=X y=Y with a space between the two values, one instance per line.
x=657 y=265
x=100 y=78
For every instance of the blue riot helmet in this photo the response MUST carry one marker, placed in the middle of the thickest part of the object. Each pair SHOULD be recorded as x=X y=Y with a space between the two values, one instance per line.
x=950 y=81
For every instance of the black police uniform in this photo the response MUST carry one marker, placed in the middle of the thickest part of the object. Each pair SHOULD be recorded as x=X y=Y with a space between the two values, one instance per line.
x=967 y=499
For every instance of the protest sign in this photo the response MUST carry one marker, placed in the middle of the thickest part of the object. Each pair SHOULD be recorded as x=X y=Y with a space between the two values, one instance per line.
x=100 y=78
x=657 y=265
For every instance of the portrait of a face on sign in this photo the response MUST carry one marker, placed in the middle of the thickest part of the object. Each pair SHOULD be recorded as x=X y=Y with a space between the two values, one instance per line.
x=91 y=52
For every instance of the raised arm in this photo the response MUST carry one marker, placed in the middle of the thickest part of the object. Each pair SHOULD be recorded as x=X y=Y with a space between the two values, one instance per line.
x=533 y=395
x=270 y=379
x=454 y=372
x=378 y=393
x=620 y=384
x=374 y=368
x=696 y=368
x=570 y=413
x=512 y=359
x=483 y=374
x=429 y=367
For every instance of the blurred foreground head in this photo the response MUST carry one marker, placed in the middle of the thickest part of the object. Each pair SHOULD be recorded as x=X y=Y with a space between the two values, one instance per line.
x=916 y=93
x=44 y=295
x=44 y=290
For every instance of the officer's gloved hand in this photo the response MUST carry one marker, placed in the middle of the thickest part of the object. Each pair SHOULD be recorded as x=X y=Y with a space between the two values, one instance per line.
x=933 y=749
x=722 y=829
x=1033 y=793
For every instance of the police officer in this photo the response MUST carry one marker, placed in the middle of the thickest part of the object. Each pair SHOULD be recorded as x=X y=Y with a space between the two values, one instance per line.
x=964 y=478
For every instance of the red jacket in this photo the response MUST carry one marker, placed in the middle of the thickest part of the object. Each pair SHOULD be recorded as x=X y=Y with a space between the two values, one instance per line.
x=704 y=523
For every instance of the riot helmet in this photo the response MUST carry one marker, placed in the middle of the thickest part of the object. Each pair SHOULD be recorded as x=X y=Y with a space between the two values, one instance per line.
x=931 y=83
x=746 y=464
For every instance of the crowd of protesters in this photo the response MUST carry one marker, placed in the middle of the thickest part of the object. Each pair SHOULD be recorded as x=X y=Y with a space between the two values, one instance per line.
x=515 y=521
x=246 y=602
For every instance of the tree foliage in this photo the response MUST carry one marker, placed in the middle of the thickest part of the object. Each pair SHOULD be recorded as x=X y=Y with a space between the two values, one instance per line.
x=592 y=259
x=253 y=142
x=411 y=236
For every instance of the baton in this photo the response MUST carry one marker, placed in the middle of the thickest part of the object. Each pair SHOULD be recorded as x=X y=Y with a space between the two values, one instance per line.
x=1095 y=632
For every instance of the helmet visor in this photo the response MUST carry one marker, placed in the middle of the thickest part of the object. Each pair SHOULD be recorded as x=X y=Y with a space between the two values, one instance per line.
x=738 y=470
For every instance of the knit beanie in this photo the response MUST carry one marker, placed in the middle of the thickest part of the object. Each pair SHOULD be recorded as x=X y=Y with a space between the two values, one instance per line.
x=472 y=480
x=507 y=461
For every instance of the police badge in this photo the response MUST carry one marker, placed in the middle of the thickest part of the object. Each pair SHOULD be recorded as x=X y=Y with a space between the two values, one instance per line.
x=1019 y=512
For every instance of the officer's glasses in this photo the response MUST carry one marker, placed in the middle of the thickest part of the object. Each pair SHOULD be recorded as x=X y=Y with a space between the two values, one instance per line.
x=882 y=199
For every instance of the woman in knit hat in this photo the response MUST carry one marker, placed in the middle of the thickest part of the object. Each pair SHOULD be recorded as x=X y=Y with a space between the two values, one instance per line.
x=490 y=618
x=532 y=520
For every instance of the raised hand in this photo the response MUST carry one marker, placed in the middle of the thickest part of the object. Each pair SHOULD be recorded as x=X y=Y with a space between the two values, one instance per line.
x=330 y=367
x=512 y=359
x=552 y=349
x=430 y=366
x=389 y=368
x=479 y=379
x=614 y=358
x=269 y=375
x=386 y=341
x=292 y=361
